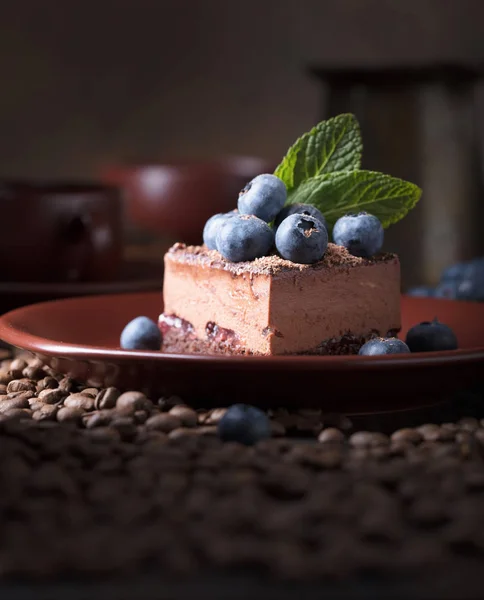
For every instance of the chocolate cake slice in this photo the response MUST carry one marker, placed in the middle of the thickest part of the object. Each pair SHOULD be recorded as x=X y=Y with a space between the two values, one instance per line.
x=271 y=306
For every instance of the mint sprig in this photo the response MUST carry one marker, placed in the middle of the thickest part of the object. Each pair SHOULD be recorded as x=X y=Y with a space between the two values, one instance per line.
x=333 y=145
x=323 y=169
x=336 y=194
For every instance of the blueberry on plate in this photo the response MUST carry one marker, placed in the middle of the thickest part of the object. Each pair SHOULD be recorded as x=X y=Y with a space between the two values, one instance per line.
x=471 y=287
x=447 y=289
x=431 y=336
x=421 y=291
x=244 y=237
x=301 y=239
x=211 y=228
x=360 y=234
x=263 y=197
x=456 y=272
x=299 y=209
x=379 y=346
x=141 y=334
x=244 y=424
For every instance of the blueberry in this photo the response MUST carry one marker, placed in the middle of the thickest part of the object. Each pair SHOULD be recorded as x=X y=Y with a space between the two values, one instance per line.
x=300 y=209
x=471 y=287
x=421 y=291
x=380 y=346
x=211 y=228
x=361 y=234
x=263 y=197
x=456 y=272
x=141 y=334
x=447 y=289
x=430 y=336
x=301 y=239
x=244 y=424
x=244 y=237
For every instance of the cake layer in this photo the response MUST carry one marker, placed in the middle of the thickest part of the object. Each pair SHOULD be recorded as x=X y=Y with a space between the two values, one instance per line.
x=273 y=306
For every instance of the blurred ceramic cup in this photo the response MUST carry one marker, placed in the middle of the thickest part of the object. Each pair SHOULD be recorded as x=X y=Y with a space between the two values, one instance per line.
x=175 y=199
x=60 y=231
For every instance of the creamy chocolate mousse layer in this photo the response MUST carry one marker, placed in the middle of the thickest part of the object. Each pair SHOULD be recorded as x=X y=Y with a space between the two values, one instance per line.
x=273 y=306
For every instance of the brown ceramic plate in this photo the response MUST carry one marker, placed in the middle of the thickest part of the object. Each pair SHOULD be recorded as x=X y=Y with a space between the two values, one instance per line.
x=134 y=276
x=79 y=337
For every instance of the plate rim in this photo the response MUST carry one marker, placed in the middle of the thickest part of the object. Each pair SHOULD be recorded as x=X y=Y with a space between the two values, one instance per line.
x=54 y=348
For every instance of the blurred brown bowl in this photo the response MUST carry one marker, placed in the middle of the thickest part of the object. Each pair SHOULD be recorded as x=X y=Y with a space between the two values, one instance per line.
x=176 y=198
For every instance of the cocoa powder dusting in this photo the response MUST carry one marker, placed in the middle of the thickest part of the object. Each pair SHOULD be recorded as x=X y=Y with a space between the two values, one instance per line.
x=334 y=258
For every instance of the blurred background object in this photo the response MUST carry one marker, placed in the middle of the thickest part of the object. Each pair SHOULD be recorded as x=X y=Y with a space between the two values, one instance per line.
x=88 y=88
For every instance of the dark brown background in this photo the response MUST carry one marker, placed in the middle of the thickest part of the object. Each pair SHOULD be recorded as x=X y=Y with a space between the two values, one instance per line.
x=84 y=82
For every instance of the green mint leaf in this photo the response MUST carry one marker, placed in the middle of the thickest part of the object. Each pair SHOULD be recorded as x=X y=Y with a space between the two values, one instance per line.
x=337 y=194
x=333 y=145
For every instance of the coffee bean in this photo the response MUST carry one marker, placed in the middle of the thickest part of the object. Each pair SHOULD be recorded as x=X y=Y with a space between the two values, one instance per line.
x=16 y=368
x=46 y=383
x=368 y=439
x=167 y=402
x=187 y=416
x=8 y=404
x=81 y=401
x=69 y=414
x=97 y=419
x=3 y=389
x=163 y=422
x=406 y=435
x=430 y=432
x=33 y=372
x=331 y=435
x=5 y=377
x=106 y=398
x=90 y=391
x=15 y=414
x=52 y=396
x=21 y=385
x=183 y=432
x=45 y=413
x=36 y=404
x=67 y=384
x=214 y=416
x=20 y=395
x=133 y=401
x=468 y=424
x=125 y=426
x=207 y=430
x=103 y=434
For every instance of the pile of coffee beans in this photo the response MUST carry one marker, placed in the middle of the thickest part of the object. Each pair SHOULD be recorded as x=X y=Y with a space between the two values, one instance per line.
x=95 y=481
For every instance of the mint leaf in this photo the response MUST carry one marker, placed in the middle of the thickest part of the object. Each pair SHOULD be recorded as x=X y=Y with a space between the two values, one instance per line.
x=336 y=194
x=333 y=145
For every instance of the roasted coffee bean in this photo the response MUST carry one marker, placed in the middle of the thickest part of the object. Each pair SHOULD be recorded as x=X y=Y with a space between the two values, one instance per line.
x=163 y=422
x=187 y=416
x=97 y=419
x=468 y=424
x=16 y=414
x=368 y=439
x=167 y=402
x=133 y=401
x=125 y=426
x=5 y=377
x=52 y=396
x=331 y=435
x=69 y=413
x=3 y=389
x=140 y=417
x=33 y=372
x=8 y=404
x=407 y=435
x=277 y=429
x=16 y=367
x=214 y=416
x=46 y=383
x=89 y=391
x=20 y=395
x=67 y=384
x=106 y=398
x=21 y=385
x=430 y=432
x=82 y=401
x=45 y=413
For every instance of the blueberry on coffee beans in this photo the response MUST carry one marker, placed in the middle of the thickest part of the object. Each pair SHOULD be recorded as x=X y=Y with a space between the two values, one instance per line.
x=300 y=209
x=211 y=228
x=379 y=346
x=244 y=424
x=263 y=197
x=141 y=334
x=301 y=239
x=431 y=336
x=360 y=234
x=244 y=237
